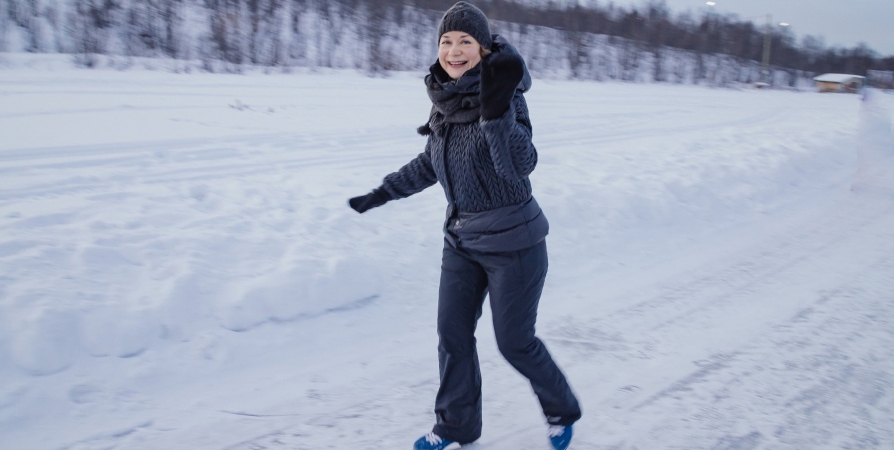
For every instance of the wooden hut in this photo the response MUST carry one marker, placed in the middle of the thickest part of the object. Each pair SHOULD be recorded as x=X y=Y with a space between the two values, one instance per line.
x=839 y=82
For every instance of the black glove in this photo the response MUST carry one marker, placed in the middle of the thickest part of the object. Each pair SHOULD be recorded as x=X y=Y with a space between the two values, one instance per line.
x=377 y=197
x=501 y=72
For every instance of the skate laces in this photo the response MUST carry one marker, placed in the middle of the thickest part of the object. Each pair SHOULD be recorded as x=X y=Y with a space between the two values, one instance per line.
x=555 y=430
x=432 y=438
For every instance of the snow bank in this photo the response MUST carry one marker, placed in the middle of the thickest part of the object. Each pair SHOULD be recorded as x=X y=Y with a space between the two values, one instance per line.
x=306 y=290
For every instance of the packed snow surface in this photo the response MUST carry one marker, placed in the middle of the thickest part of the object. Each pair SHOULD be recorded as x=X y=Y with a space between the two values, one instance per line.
x=179 y=268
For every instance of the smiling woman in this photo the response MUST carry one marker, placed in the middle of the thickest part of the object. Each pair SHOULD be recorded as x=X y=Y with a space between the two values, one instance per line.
x=479 y=148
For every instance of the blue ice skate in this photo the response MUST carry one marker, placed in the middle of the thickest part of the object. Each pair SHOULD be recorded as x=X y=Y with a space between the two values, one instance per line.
x=560 y=436
x=431 y=441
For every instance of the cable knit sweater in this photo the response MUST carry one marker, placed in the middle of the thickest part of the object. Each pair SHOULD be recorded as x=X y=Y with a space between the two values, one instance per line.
x=481 y=165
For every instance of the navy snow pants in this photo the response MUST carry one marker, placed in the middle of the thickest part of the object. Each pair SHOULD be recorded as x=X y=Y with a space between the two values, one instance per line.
x=514 y=281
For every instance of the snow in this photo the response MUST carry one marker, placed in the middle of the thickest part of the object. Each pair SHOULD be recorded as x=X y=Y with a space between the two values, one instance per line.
x=836 y=78
x=179 y=268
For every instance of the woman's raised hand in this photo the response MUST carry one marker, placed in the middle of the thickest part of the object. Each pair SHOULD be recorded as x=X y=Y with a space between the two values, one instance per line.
x=501 y=72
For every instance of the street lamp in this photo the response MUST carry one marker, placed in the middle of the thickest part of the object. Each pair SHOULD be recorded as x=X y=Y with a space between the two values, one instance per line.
x=765 y=67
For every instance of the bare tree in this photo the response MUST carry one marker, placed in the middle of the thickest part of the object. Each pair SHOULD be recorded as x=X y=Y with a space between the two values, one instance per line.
x=90 y=26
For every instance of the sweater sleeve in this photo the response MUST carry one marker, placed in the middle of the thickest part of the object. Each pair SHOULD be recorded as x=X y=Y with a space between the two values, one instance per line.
x=413 y=177
x=509 y=140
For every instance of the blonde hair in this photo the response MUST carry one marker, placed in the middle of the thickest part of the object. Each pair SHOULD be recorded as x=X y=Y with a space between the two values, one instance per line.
x=484 y=52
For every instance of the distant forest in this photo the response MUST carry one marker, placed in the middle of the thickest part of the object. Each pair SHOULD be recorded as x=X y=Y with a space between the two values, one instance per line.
x=598 y=41
x=655 y=25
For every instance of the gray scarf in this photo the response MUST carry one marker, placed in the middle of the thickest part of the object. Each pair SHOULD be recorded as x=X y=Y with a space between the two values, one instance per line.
x=453 y=101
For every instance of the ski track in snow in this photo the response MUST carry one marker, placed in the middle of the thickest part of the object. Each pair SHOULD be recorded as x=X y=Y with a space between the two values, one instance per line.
x=714 y=282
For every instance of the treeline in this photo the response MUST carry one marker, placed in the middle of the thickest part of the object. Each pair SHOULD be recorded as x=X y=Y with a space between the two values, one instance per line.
x=655 y=25
x=589 y=42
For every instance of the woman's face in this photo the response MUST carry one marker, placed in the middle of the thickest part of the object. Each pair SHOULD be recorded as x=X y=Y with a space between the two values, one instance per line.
x=458 y=52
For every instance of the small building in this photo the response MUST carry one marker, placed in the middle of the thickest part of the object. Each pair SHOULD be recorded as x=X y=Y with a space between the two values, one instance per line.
x=839 y=82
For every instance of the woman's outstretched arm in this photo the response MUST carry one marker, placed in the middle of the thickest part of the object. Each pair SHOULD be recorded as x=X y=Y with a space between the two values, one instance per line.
x=413 y=177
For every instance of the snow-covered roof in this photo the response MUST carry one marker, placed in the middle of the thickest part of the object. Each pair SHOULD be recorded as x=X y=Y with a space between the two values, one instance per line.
x=836 y=77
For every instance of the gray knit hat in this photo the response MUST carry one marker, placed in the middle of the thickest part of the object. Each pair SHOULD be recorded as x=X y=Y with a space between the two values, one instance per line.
x=467 y=18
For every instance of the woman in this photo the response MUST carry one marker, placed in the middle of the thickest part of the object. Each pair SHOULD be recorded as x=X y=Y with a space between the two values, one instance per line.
x=479 y=148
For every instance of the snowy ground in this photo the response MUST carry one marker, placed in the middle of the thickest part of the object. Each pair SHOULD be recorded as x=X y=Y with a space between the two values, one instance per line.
x=179 y=268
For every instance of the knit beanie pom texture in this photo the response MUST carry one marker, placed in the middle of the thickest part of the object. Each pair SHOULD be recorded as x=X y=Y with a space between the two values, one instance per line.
x=467 y=18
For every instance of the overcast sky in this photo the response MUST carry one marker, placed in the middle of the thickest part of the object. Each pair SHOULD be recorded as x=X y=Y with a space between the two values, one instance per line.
x=841 y=22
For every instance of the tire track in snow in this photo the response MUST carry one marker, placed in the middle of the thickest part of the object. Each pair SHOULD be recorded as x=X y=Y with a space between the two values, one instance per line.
x=563 y=135
x=288 y=140
x=716 y=284
x=824 y=370
x=206 y=172
x=774 y=293
x=179 y=164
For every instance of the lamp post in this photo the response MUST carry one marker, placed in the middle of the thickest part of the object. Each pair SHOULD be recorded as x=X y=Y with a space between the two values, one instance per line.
x=765 y=66
x=768 y=38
